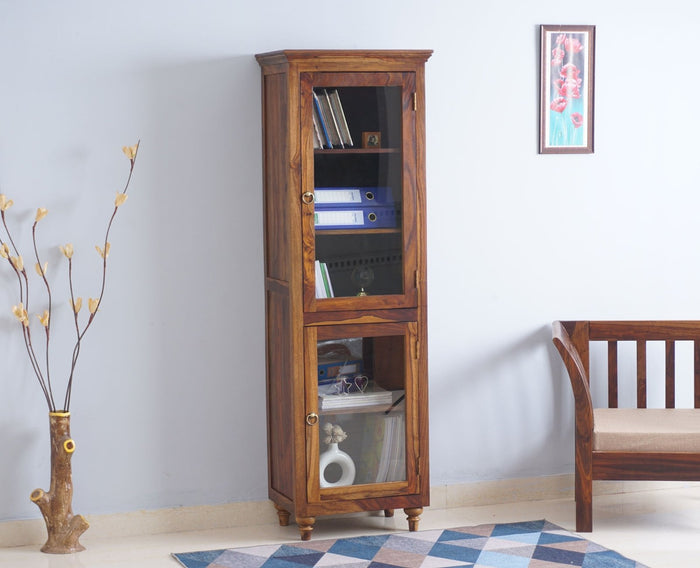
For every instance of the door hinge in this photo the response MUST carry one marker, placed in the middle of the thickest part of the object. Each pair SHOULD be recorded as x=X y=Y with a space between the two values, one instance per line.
x=415 y=101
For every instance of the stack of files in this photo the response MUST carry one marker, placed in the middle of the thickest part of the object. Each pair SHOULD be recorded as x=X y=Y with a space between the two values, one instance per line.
x=373 y=395
x=329 y=370
x=330 y=125
x=355 y=207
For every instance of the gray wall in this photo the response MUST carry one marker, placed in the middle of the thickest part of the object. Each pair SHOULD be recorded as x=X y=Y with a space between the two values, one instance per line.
x=168 y=405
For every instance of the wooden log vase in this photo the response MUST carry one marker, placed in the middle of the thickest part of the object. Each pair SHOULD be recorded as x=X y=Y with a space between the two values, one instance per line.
x=64 y=528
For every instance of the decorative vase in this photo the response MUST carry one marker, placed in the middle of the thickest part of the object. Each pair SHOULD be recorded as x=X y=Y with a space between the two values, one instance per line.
x=64 y=528
x=334 y=455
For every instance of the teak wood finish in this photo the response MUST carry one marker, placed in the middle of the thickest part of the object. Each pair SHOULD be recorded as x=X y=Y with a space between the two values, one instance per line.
x=572 y=339
x=295 y=320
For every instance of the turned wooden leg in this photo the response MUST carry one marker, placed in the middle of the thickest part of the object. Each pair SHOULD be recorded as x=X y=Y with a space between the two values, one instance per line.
x=388 y=512
x=413 y=516
x=283 y=515
x=306 y=526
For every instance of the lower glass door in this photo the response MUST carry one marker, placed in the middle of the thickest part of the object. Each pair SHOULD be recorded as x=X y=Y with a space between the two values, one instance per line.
x=360 y=384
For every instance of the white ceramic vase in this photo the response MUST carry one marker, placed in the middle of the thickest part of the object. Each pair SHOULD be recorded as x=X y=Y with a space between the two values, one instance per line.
x=334 y=455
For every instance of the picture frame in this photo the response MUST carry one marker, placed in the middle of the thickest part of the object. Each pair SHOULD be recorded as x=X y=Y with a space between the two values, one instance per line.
x=567 y=78
x=371 y=139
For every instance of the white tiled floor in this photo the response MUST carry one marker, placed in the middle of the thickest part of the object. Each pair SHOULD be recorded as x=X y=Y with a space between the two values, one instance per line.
x=659 y=528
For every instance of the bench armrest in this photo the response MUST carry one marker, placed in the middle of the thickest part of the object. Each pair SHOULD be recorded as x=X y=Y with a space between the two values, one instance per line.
x=562 y=338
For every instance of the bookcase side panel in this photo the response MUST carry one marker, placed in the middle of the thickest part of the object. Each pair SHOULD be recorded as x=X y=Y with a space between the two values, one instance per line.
x=277 y=219
x=280 y=410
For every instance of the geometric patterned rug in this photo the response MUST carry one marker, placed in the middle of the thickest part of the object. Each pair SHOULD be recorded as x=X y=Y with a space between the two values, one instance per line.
x=532 y=544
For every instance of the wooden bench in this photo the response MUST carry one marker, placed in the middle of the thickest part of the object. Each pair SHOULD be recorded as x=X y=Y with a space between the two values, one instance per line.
x=640 y=443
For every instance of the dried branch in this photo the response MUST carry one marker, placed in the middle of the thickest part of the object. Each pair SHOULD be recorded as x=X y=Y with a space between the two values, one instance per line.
x=21 y=311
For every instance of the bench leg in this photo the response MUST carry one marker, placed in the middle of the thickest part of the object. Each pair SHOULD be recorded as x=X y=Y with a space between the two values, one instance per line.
x=584 y=502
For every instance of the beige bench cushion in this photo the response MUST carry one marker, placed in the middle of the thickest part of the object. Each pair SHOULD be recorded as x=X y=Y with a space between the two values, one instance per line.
x=646 y=430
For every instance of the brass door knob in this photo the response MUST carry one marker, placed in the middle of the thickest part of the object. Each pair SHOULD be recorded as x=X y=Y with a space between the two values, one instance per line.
x=312 y=418
x=307 y=197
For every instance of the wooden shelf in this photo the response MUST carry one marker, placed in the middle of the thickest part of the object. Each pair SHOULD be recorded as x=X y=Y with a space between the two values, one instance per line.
x=321 y=232
x=336 y=151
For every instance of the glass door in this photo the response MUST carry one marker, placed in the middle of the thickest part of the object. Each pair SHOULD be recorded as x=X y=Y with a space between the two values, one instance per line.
x=361 y=420
x=358 y=203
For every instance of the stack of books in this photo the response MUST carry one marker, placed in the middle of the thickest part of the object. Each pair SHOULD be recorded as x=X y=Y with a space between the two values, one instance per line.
x=324 y=287
x=393 y=455
x=330 y=125
x=373 y=395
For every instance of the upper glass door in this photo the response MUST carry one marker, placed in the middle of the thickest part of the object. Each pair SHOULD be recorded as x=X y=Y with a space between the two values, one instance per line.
x=359 y=204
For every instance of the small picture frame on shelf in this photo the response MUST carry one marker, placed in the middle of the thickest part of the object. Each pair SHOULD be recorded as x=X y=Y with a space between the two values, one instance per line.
x=371 y=139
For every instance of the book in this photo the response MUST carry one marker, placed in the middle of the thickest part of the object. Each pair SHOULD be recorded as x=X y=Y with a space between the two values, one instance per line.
x=318 y=140
x=318 y=115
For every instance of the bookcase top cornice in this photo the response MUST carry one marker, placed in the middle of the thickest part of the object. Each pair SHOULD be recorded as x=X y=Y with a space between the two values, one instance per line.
x=329 y=56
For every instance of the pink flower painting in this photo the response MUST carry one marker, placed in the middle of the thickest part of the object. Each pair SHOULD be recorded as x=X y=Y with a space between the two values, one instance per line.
x=565 y=83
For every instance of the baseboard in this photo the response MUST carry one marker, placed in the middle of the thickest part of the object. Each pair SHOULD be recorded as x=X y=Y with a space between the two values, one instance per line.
x=501 y=491
x=159 y=521
x=248 y=513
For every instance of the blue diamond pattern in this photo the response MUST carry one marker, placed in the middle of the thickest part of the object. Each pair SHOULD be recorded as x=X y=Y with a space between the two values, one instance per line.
x=493 y=546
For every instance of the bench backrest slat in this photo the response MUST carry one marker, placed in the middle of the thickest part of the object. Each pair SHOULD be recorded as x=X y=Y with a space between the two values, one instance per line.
x=670 y=374
x=697 y=374
x=612 y=374
x=641 y=374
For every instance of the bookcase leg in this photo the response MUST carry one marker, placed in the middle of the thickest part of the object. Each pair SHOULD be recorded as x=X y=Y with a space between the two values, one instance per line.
x=283 y=515
x=413 y=516
x=388 y=512
x=306 y=526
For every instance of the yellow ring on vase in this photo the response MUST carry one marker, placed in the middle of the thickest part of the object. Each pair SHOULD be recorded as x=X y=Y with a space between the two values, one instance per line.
x=69 y=446
x=36 y=495
x=59 y=414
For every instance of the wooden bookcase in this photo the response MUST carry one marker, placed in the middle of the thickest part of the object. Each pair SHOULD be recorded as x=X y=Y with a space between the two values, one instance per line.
x=346 y=212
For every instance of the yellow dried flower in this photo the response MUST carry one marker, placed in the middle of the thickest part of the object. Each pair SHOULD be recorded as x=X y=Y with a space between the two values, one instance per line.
x=5 y=251
x=5 y=203
x=41 y=271
x=40 y=214
x=17 y=262
x=44 y=318
x=21 y=314
x=92 y=304
x=130 y=151
x=121 y=198
x=77 y=305
x=67 y=250
x=103 y=253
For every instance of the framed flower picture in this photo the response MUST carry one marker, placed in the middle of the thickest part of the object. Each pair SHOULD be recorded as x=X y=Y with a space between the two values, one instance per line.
x=566 y=89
